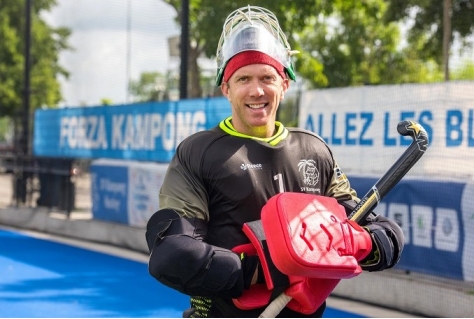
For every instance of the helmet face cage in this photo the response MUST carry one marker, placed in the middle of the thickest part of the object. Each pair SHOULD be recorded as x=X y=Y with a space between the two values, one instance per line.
x=253 y=28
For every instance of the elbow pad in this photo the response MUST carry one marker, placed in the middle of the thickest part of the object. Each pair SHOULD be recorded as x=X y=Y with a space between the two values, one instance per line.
x=168 y=222
x=181 y=260
x=388 y=241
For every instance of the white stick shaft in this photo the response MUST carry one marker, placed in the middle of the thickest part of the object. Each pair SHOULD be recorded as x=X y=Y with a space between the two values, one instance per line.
x=276 y=306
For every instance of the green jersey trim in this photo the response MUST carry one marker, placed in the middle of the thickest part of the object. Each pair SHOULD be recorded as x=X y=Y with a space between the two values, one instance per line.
x=281 y=134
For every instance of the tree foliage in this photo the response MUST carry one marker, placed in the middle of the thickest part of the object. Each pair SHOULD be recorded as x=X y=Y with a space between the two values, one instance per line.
x=46 y=44
x=357 y=48
x=427 y=27
x=344 y=43
x=464 y=72
x=150 y=87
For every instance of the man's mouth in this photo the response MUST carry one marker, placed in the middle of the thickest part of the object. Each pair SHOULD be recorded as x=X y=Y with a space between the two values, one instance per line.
x=257 y=106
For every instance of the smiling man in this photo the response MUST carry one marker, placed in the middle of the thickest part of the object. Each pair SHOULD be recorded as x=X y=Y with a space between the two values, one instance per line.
x=255 y=84
x=221 y=178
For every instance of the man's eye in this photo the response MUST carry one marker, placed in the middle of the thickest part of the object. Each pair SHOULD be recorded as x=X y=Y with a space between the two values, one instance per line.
x=242 y=79
x=268 y=79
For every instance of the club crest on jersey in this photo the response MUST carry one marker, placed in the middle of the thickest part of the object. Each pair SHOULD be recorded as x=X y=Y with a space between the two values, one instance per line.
x=310 y=172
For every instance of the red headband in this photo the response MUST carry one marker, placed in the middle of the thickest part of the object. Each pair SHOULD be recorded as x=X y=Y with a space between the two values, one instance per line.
x=251 y=57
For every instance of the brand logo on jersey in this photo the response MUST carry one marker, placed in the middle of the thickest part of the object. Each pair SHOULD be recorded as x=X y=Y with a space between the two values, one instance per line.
x=310 y=172
x=245 y=167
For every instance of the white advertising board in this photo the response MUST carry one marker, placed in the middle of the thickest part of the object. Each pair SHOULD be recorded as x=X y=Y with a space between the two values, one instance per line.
x=360 y=125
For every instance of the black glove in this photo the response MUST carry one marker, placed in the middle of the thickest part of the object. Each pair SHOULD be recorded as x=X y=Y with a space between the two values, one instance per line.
x=249 y=266
x=388 y=242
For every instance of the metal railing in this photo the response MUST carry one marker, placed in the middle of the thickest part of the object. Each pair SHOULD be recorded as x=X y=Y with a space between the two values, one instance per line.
x=40 y=181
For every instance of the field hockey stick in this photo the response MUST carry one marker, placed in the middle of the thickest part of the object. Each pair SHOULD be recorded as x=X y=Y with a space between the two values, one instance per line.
x=373 y=197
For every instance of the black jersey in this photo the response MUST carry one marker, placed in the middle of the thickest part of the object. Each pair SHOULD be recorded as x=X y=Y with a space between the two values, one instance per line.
x=225 y=178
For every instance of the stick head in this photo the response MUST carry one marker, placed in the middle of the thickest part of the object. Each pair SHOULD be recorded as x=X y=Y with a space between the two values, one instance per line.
x=416 y=131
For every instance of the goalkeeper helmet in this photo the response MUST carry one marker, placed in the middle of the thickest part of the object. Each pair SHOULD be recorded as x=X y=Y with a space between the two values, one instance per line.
x=253 y=28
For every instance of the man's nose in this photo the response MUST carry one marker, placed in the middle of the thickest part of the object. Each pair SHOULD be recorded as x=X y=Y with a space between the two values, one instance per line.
x=256 y=88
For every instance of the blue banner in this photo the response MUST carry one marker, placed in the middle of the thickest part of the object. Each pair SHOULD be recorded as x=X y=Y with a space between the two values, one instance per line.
x=145 y=131
x=431 y=217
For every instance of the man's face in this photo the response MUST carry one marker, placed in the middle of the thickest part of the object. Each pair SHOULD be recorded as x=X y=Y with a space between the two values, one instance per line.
x=255 y=91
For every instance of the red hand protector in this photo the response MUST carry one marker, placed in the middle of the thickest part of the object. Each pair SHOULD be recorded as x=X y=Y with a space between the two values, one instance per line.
x=310 y=236
x=311 y=240
x=258 y=295
x=308 y=294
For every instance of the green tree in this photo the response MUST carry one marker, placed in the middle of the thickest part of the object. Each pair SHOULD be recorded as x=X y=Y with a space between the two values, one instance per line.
x=341 y=43
x=356 y=48
x=106 y=101
x=4 y=129
x=464 y=72
x=150 y=87
x=46 y=44
x=426 y=18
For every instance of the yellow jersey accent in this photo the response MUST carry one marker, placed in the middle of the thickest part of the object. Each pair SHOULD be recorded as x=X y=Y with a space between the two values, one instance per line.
x=281 y=134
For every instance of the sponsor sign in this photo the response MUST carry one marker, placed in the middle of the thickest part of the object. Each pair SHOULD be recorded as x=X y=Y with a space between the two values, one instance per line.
x=109 y=191
x=360 y=125
x=125 y=191
x=145 y=131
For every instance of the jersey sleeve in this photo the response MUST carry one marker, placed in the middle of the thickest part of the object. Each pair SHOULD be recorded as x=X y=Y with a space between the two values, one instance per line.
x=339 y=187
x=179 y=256
x=183 y=187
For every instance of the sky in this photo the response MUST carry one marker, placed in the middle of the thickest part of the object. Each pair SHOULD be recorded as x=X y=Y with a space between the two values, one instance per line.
x=107 y=53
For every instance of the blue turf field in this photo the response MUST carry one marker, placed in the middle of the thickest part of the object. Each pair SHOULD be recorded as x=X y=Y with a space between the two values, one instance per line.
x=42 y=278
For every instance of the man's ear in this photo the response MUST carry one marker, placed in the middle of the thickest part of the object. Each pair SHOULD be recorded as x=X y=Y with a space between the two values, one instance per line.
x=284 y=87
x=225 y=89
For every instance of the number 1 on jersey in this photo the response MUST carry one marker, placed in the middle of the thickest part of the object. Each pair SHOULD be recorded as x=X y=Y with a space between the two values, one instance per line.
x=279 y=178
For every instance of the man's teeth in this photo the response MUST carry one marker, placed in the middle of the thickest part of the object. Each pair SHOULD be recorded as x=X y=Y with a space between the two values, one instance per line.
x=256 y=106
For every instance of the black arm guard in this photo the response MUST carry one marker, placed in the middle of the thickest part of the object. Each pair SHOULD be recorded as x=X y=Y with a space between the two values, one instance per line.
x=181 y=260
x=388 y=242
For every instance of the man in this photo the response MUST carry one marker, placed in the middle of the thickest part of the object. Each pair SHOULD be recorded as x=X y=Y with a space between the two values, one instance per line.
x=221 y=178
